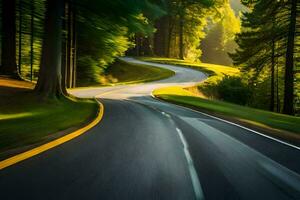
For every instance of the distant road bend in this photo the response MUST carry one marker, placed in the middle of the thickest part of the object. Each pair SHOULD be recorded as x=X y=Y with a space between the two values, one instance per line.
x=147 y=149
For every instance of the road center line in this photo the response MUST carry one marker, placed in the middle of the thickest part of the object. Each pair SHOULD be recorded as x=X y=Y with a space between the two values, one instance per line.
x=194 y=176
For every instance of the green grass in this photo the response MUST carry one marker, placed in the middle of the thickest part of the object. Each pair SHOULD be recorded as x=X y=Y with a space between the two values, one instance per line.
x=122 y=73
x=255 y=117
x=129 y=73
x=25 y=120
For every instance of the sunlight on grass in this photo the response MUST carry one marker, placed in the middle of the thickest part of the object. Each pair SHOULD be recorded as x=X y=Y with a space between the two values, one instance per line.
x=254 y=116
x=129 y=73
x=25 y=119
x=123 y=73
x=175 y=90
x=15 y=115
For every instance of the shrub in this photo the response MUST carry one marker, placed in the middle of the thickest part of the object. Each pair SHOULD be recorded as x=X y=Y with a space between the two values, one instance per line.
x=88 y=71
x=233 y=89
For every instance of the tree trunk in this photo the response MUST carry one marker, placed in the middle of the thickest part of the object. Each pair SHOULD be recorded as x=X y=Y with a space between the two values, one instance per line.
x=49 y=82
x=74 y=50
x=32 y=39
x=147 y=47
x=277 y=88
x=288 y=106
x=272 y=100
x=158 y=37
x=170 y=31
x=69 y=45
x=9 y=65
x=64 y=53
x=20 y=36
x=137 y=45
x=161 y=37
x=181 y=45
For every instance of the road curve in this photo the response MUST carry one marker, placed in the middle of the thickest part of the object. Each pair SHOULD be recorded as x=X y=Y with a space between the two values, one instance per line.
x=147 y=149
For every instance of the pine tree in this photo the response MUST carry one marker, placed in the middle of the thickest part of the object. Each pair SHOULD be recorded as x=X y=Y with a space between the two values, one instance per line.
x=264 y=39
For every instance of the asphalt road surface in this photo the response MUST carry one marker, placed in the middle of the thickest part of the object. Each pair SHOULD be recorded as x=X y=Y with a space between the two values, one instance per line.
x=147 y=149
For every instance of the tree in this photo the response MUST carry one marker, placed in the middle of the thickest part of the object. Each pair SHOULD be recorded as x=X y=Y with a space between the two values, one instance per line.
x=180 y=31
x=9 y=65
x=49 y=81
x=265 y=39
x=220 y=35
x=288 y=107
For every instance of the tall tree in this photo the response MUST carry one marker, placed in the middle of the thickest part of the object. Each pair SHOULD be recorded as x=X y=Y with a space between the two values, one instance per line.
x=9 y=65
x=288 y=107
x=32 y=8
x=49 y=81
x=70 y=42
x=20 y=36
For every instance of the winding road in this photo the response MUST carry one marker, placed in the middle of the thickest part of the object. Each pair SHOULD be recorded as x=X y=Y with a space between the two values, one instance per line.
x=147 y=149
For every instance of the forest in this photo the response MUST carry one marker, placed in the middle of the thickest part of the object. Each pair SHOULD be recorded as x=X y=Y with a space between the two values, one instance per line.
x=60 y=44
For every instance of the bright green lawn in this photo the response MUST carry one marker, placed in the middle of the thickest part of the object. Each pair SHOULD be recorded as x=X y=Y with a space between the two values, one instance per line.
x=122 y=72
x=253 y=116
x=25 y=120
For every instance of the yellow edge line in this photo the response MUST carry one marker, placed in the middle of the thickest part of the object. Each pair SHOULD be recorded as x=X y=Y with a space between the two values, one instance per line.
x=28 y=154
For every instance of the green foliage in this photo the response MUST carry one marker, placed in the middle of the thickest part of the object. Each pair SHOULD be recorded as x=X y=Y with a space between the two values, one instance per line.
x=104 y=28
x=27 y=32
x=263 y=48
x=233 y=89
x=88 y=71
x=221 y=31
x=194 y=14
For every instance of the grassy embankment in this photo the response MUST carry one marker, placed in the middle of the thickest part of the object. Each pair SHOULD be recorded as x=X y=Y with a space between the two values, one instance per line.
x=122 y=73
x=273 y=123
x=129 y=73
x=26 y=121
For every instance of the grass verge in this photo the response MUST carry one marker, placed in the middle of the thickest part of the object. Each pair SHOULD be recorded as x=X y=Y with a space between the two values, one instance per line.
x=25 y=120
x=122 y=73
x=279 y=125
x=129 y=73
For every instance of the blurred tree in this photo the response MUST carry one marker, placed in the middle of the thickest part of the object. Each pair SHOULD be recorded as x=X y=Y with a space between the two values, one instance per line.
x=8 y=58
x=49 y=80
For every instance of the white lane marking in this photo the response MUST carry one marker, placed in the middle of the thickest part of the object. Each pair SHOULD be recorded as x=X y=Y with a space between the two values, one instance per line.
x=234 y=124
x=166 y=114
x=237 y=153
x=195 y=180
x=194 y=176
